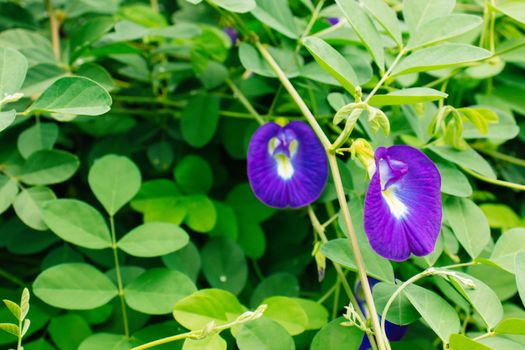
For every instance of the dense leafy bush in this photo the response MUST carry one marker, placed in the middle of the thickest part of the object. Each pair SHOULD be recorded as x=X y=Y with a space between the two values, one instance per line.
x=126 y=207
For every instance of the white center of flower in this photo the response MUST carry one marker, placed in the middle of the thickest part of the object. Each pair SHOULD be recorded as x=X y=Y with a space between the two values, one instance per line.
x=284 y=166
x=283 y=154
x=397 y=208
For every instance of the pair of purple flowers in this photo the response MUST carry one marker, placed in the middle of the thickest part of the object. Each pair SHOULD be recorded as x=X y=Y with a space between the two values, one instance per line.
x=287 y=168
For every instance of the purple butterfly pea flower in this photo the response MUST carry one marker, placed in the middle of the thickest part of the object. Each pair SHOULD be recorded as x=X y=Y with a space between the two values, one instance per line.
x=287 y=165
x=333 y=20
x=232 y=34
x=403 y=203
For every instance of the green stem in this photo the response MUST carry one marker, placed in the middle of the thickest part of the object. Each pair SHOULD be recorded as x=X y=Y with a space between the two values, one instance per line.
x=329 y=292
x=55 y=28
x=155 y=5
x=310 y=24
x=486 y=335
x=502 y=156
x=401 y=53
x=492 y=27
x=244 y=101
x=119 y=275
x=502 y=183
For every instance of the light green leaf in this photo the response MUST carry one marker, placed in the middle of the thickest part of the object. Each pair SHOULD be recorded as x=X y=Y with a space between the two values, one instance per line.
x=453 y=181
x=263 y=334
x=48 y=167
x=386 y=17
x=7 y=118
x=288 y=313
x=114 y=180
x=68 y=331
x=401 y=311
x=468 y=223
x=197 y=310
x=365 y=29
x=186 y=260
x=417 y=13
x=41 y=136
x=519 y=266
x=199 y=119
x=13 y=308
x=194 y=175
x=438 y=314
x=334 y=336
x=500 y=215
x=511 y=326
x=461 y=342
x=239 y=6
x=77 y=222
x=105 y=341
x=10 y=328
x=201 y=216
x=224 y=265
x=512 y=8
x=439 y=57
x=467 y=158
x=280 y=283
x=153 y=239
x=28 y=203
x=74 y=286
x=408 y=96
x=443 y=28
x=212 y=342
x=157 y=290
x=13 y=69
x=34 y=46
x=339 y=251
x=316 y=313
x=332 y=62
x=8 y=192
x=73 y=95
x=289 y=61
x=277 y=15
x=507 y=247
x=88 y=33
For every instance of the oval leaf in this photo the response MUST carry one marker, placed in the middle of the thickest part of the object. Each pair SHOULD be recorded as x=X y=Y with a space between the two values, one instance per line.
x=153 y=239
x=48 y=167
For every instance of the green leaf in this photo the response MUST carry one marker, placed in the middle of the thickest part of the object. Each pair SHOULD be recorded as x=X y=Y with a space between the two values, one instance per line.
x=468 y=223
x=288 y=313
x=74 y=286
x=28 y=203
x=154 y=192
x=252 y=238
x=332 y=62
x=287 y=59
x=7 y=118
x=443 y=28
x=239 y=6
x=263 y=334
x=153 y=239
x=417 y=13
x=41 y=136
x=246 y=205
x=114 y=180
x=515 y=9
x=334 y=336
x=197 y=310
x=364 y=28
x=386 y=17
x=105 y=341
x=401 y=311
x=500 y=281
x=281 y=283
x=519 y=263
x=507 y=247
x=201 y=216
x=339 y=251
x=439 y=57
x=68 y=331
x=13 y=308
x=73 y=95
x=87 y=34
x=13 y=69
x=10 y=328
x=77 y=222
x=226 y=224
x=438 y=314
x=212 y=342
x=194 y=175
x=511 y=326
x=467 y=158
x=224 y=265
x=453 y=181
x=500 y=216
x=186 y=260
x=8 y=192
x=35 y=47
x=199 y=119
x=48 y=167
x=408 y=96
x=156 y=291
x=461 y=342
x=316 y=313
x=276 y=15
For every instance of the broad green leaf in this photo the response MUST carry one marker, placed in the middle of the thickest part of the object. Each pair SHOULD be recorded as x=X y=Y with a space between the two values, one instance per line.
x=240 y=6
x=87 y=34
x=482 y=298
x=401 y=311
x=277 y=15
x=34 y=46
x=212 y=342
x=417 y=13
x=461 y=342
x=199 y=119
x=281 y=284
x=105 y=341
x=77 y=222
x=439 y=57
x=201 y=216
x=153 y=239
x=443 y=28
x=365 y=29
x=408 y=96
x=316 y=313
x=512 y=8
x=263 y=334
x=156 y=291
x=28 y=203
x=289 y=61
x=386 y=17
x=501 y=343
x=68 y=331
x=194 y=175
x=155 y=191
x=339 y=251
x=519 y=266
x=500 y=216
x=40 y=77
x=96 y=73
x=73 y=95
x=334 y=336
x=197 y=310
x=246 y=205
x=186 y=260
x=507 y=247
x=74 y=286
x=226 y=224
x=500 y=281
x=13 y=308
x=467 y=158
x=41 y=136
x=224 y=265
x=161 y=155
x=48 y=167
x=288 y=313
x=8 y=192
x=252 y=238
x=7 y=118
x=13 y=69
x=438 y=314
x=511 y=326
x=468 y=223
x=453 y=181
x=114 y=180
x=332 y=62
